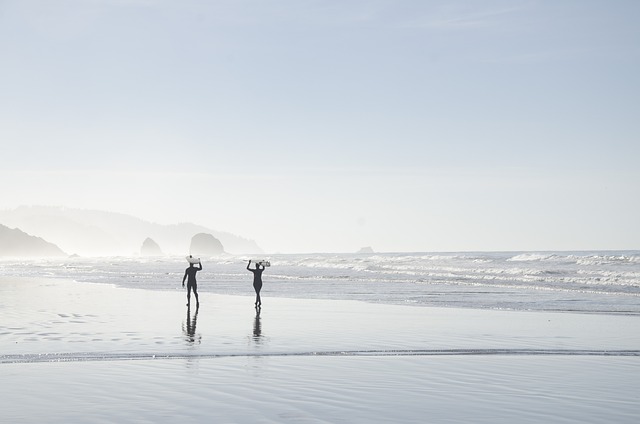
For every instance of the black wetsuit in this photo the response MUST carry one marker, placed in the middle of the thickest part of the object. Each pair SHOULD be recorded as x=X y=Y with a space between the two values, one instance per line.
x=190 y=274
x=257 y=282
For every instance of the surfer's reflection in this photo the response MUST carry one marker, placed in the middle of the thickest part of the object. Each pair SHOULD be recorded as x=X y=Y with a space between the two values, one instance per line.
x=189 y=329
x=257 y=326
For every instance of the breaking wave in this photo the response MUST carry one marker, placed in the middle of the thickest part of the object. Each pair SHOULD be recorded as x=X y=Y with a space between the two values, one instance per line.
x=593 y=282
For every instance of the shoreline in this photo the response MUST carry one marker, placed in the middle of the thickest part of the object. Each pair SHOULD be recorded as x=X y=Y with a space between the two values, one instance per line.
x=52 y=320
x=597 y=283
x=208 y=291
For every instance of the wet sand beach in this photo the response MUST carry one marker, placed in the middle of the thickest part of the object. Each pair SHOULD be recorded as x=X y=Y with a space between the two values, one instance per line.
x=83 y=352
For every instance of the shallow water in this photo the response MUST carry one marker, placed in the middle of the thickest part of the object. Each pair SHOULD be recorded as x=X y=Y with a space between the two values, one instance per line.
x=49 y=320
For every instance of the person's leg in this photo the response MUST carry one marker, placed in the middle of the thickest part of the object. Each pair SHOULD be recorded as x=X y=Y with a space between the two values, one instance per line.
x=257 y=288
x=195 y=293
x=188 y=294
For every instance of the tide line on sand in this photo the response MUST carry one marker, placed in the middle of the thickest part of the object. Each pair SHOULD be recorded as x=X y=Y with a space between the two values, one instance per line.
x=92 y=356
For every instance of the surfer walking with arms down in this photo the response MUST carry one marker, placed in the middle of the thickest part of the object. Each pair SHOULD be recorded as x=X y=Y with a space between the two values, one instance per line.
x=257 y=281
x=190 y=276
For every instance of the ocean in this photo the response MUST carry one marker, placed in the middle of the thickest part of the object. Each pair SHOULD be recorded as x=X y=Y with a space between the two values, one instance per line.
x=606 y=282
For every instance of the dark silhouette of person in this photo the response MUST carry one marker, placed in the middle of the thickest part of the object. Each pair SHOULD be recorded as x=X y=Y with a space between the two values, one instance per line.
x=257 y=281
x=191 y=282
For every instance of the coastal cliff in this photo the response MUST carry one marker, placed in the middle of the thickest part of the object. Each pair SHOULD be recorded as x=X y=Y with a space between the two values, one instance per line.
x=15 y=242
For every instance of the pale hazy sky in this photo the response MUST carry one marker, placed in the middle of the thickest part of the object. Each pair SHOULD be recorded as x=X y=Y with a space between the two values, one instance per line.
x=313 y=125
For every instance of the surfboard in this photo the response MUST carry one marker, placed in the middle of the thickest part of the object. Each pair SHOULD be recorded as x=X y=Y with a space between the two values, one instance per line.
x=261 y=262
x=193 y=260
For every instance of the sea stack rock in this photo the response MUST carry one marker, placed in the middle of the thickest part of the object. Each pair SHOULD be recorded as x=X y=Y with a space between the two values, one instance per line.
x=150 y=248
x=206 y=245
x=367 y=249
x=14 y=242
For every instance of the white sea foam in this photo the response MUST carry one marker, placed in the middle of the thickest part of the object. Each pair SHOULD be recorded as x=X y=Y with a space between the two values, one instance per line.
x=564 y=281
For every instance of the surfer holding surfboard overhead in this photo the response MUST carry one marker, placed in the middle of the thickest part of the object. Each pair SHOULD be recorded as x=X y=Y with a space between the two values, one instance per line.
x=257 y=279
x=190 y=273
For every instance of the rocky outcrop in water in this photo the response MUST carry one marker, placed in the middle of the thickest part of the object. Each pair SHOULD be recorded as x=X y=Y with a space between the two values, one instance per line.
x=150 y=248
x=203 y=244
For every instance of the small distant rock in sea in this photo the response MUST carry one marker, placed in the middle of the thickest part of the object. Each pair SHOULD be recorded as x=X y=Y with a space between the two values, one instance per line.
x=205 y=244
x=367 y=249
x=15 y=242
x=150 y=248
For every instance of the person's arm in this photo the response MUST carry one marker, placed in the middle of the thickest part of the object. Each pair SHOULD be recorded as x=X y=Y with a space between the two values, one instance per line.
x=200 y=263
x=184 y=278
x=248 y=265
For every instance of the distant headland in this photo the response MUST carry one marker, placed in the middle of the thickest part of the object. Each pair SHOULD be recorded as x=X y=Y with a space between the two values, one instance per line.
x=14 y=242
x=100 y=233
